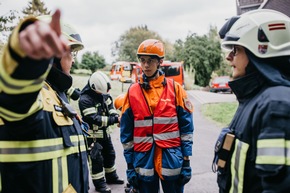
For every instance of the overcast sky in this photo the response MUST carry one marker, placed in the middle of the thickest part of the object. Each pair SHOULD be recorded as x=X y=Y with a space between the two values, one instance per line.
x=101 y=22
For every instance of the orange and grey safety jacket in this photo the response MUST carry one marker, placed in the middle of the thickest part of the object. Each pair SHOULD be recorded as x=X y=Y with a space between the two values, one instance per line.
x=157 y=118
x=162 y=127
x=41 y=149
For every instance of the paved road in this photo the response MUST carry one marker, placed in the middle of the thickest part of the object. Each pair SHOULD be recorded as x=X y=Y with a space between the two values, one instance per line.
x=203 y=179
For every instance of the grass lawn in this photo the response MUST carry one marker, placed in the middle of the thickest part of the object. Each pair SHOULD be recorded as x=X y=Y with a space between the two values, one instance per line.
x=222 y=113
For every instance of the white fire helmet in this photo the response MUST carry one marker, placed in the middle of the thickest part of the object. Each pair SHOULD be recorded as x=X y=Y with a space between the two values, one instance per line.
x=264 y=32
x=100 y=82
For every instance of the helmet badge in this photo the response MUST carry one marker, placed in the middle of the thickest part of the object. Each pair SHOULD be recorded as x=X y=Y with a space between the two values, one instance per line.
x=263 y=49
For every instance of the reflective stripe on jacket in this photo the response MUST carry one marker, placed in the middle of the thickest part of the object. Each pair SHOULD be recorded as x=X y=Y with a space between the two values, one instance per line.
x=161 y=126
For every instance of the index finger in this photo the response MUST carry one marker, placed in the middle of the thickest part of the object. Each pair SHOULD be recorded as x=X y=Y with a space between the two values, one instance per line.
x=55 y=22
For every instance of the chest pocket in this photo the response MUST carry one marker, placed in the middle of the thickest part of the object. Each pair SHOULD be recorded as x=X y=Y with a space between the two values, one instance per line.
x=52 y=104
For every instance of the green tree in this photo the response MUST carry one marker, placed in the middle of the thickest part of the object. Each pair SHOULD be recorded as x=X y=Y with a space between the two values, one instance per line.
x=7 y=21
x=201 y=55
x=126 y=47
x=76 y=65
x=36 y=8
x=92 y=61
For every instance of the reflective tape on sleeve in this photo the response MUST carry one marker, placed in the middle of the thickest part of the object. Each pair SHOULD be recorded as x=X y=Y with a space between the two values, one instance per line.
x=12 y=116
x=14 y=86
x=272 y=151
x=37 y=150
x=89 y=111
x=128 y=145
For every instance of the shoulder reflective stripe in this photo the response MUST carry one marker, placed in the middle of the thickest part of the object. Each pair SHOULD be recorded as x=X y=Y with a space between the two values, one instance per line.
x=165 y=120
x=238 y=162
x=88 y=111
x=128 y=145
x=37 y=150
x=171 y=172
x=111 y=169
x=186 y=137
x=143 y=123
x=143 y=139
x=165 y=136
x=145 y=172
x=13 y=86
x=272 y=151
x=12 y=116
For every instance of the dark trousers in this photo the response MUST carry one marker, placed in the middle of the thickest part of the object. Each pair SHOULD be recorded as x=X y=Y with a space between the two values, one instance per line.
x=106 y=156
x=168 y=186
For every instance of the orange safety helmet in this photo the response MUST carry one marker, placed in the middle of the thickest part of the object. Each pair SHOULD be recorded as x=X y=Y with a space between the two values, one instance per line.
x=151 y=47
x=119 y=100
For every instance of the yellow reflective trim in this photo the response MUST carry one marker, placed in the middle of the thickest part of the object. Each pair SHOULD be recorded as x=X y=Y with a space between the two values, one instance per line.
x=64 y=173
x=238 y=162
x=12 y=116
x=271 y=151
x=1 y=122
x=111 y=169
x=271 y=143
x=0 y=183
x=278 y=160
x=53 y=149
x=98 y=175
x=88 y=111
x=14 y=86
x=55 y=176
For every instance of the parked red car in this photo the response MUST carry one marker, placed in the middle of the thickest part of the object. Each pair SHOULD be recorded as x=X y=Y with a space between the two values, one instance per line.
x=220 y=84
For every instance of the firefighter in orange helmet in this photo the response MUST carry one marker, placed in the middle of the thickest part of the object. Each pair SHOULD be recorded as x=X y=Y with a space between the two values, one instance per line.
x=119 y=100
x=156 y=121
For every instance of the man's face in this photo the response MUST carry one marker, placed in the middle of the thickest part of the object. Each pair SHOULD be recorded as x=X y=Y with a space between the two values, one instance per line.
x=238 y=60
x=67 y=61
x=149 y=65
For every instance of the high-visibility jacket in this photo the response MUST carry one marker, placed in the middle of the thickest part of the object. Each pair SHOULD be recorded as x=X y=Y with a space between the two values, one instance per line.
x=157 y=98
x=161 y=127
x=260 y=160
x=41 y=149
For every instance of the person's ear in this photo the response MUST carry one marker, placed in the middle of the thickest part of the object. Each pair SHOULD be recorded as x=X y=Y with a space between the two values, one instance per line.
x=160 y=61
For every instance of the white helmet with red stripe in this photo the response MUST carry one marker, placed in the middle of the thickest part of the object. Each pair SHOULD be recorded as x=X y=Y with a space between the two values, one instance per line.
x=264 y=32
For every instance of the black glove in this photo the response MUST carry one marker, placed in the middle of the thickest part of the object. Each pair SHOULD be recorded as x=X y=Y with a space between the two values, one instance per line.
x=185 y=174
x=113 y=119
x=76 y=94
x=96 y=150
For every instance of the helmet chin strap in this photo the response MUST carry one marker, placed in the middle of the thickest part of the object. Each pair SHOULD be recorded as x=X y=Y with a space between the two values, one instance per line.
x=145 y=83
x=148 y=77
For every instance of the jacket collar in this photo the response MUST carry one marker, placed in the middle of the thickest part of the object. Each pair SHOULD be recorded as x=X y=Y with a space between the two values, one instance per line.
x=248 y=85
